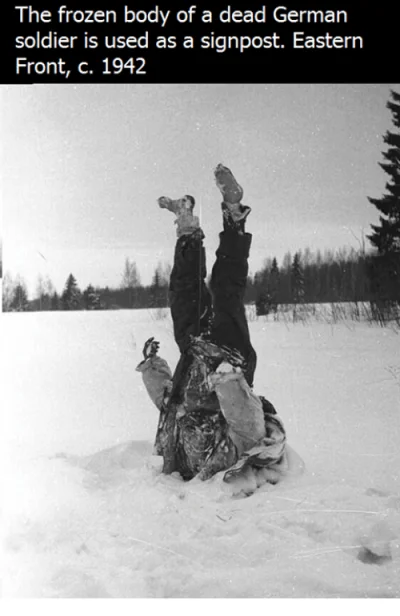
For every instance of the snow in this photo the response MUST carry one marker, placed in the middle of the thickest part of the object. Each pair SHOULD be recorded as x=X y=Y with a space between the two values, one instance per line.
x=87 y=512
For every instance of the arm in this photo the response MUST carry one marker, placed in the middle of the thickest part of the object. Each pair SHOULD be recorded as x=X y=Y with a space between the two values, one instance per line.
x=242 y=409
x=156 y=373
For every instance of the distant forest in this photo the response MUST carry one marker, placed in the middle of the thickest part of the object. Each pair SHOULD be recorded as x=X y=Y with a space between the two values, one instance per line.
x=302 y=278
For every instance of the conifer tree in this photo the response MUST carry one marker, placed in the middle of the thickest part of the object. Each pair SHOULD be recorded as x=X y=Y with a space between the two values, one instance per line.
x=386 y=236
x=274 y=285
x=384 y=267
x=91 y=298
x=159 y=288
x=297 y=280
x=71 y=297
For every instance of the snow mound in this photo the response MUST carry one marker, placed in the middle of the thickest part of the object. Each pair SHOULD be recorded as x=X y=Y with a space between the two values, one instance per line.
x=111 y=524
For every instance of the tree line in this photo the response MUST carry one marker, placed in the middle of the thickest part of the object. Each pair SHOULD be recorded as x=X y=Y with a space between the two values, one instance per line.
x=344 y=275
x=130 y=293
x=311 y=278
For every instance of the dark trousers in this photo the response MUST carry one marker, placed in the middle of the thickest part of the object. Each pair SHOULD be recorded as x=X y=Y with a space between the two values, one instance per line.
x=195 y=310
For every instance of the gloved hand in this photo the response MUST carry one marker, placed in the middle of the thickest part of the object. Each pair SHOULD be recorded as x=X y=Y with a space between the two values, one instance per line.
x=151 y=348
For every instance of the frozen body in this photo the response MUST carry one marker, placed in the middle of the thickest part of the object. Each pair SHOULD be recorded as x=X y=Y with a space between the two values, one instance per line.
x=87 y=513
x=210 y=418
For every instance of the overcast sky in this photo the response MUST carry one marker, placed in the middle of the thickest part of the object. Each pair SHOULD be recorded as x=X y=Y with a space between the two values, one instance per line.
x=83 y=166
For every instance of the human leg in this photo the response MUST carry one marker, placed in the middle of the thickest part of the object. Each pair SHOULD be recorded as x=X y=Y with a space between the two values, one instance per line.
x=228 y=285
x=189 y=298
x=229 y=274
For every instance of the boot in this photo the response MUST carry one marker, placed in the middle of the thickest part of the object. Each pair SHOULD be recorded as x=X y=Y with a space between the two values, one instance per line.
x=231 y=191
x=234 y=213
x=183 y=209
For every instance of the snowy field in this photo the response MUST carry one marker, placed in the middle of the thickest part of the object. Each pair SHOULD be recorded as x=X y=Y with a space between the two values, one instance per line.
x=87 y=512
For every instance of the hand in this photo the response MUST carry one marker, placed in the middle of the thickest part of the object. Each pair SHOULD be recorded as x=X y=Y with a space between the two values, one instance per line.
x=151 y=348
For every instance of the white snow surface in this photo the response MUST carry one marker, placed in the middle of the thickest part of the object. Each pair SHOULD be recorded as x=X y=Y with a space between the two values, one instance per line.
x=88 y=513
